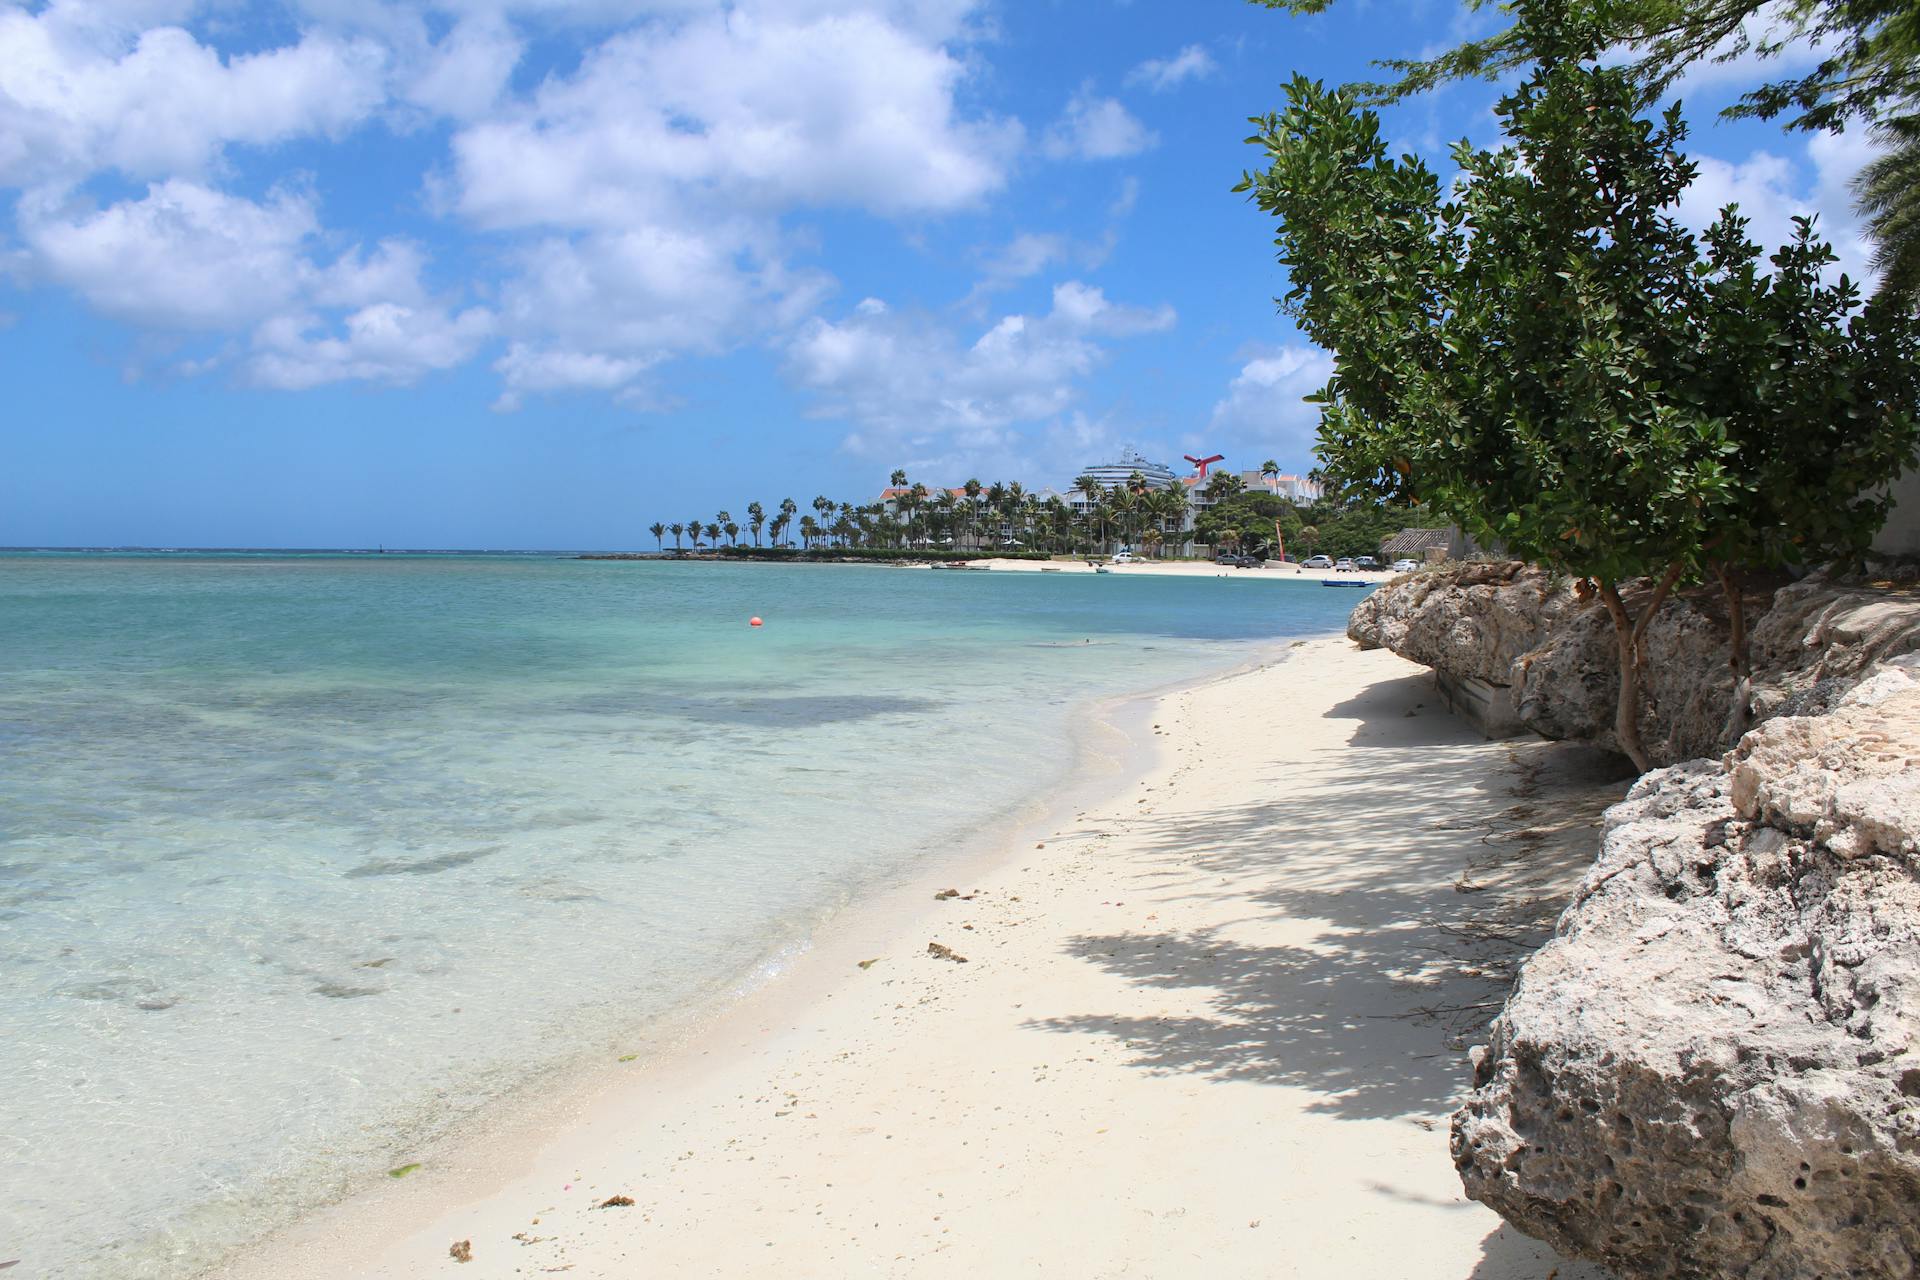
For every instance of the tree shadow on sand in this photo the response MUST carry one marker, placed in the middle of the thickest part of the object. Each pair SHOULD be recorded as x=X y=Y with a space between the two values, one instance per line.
x=1448 y=870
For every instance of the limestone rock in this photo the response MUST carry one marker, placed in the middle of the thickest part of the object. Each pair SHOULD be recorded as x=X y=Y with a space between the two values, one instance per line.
x=1713 y=1069
x=1472 y=620
x=1551 y=653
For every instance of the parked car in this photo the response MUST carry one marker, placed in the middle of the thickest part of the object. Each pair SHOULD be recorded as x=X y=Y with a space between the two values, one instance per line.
x=1343 y=565
x=1123 y=557
x=1405 y=566
x=1317 y=562
x=1365 y=562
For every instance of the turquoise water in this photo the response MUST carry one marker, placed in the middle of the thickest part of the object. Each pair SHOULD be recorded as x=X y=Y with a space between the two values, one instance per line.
x=304 y=858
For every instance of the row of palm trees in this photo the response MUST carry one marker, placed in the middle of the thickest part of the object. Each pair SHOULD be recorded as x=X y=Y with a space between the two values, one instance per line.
x=973 y=517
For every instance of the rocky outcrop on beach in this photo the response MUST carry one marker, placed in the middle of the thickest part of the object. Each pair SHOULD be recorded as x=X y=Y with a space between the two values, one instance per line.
x=1543 y=654
x=1713 y=1068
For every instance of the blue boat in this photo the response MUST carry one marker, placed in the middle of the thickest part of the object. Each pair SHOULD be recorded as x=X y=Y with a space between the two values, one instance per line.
x=1344 y=582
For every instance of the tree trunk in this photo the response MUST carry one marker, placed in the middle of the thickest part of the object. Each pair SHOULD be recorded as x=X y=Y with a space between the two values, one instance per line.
x=1740 y=716
x=1630 y=638
x=1626 y=715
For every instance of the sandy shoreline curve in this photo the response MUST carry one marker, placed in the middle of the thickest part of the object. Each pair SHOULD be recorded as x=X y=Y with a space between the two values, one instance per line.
x=1272 y=571
x=1199 y=1029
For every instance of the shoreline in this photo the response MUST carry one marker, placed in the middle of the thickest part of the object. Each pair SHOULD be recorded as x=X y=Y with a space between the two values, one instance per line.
x=755 y=1115
x=1108 y=743
x=1272 y=571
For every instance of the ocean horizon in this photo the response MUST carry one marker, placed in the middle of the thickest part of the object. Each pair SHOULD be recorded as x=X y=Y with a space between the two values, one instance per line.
x=304 y=857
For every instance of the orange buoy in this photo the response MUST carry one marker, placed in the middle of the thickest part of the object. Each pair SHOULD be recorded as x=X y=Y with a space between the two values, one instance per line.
x=753 y=622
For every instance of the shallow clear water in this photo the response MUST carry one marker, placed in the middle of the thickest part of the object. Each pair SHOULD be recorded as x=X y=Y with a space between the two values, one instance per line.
x=302 y=857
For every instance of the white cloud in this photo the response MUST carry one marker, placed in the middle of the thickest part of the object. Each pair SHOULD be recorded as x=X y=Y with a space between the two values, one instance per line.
x=1772 y=190
x=384 y=342
x=737 y=112
x=1263 y=405
x=181 y=257
x=1162 y=74
x=1096 y=128
x=464 y=75
x=639 y=197
x=582 y=310
x=186 y=259
x=76 y=98
x=905 y=380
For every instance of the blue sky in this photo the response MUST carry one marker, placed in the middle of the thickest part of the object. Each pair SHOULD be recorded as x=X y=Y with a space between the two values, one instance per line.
x=534 y=273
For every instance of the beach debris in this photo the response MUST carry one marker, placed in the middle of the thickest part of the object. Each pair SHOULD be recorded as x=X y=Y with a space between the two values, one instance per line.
x=626 y=1057
x=941 y=951
x=615 y=1202
x=10 y=1262
x=402 y=1171
x=868 y=964
x=526 y=1239
x=944 y=894
x=461 y=1251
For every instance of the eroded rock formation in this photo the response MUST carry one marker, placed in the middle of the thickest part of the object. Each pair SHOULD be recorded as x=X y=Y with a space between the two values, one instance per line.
x=1713 y=1069
x=1546 y=661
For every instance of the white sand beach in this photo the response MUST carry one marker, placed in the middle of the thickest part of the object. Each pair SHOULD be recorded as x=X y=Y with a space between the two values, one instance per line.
x=1272 y=571
x=1187 y=1039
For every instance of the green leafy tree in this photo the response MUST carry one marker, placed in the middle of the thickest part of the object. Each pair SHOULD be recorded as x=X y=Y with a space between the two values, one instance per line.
x=1529 y=355
x=1870 y=51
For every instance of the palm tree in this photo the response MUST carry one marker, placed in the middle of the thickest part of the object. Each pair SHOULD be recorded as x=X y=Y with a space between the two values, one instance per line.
x=1309 y=534
x=658 y=531
x=723 y=519
x=1126 y=507
x=918 y=495
x=733 y=533
x=693 y=528
x=1016 y=502
x=677 y=529
x=713 y=535
x=1089 y=489
x=898 y=479
x=787 y=508
x=943 y=510
x=1222 y=485
x=808 y=527
x=972 y=488
x=1888 y=190
x=1270 y=471
x=756 y=520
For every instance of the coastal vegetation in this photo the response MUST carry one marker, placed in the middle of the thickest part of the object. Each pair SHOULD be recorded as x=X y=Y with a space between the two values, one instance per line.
x=1545 y=356
x=1004 y=519
x=1868 y=75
